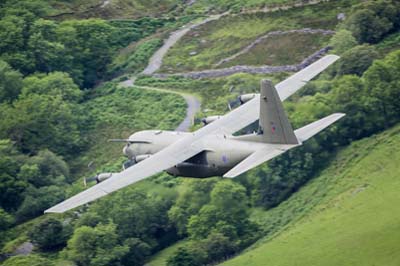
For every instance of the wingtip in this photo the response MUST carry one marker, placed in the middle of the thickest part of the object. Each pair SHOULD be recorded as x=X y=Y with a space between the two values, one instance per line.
x=51 y=210
x=333 y=56
x=339 y=115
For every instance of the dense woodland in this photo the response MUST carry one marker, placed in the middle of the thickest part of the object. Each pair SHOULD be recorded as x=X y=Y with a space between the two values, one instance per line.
x=53 y=77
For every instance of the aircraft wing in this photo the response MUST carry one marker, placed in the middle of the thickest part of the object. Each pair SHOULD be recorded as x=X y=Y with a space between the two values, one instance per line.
x=157 y=163
x=249 y=112
x=258 y=157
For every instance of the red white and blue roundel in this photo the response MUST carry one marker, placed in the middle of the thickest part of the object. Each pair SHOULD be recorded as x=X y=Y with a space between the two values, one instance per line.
x=273 y=127
x=225 y=158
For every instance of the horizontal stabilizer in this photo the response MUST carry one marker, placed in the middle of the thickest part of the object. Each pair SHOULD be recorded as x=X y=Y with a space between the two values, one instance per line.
x=255 y=159
x=310 y=130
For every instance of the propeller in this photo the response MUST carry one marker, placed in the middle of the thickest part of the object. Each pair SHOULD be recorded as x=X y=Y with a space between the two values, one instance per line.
x=98 y=177
x=89 y=179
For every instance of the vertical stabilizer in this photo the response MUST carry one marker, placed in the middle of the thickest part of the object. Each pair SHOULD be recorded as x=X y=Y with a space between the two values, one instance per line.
x=274 y=124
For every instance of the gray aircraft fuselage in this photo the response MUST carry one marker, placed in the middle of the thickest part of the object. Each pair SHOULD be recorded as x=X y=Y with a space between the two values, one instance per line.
x=224 y=153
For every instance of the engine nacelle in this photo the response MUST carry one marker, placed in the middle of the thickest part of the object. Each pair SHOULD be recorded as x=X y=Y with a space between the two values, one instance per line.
x=128 y=152
x=142 y=157
x=210 y=119
x=103 y=176
x=246 y=97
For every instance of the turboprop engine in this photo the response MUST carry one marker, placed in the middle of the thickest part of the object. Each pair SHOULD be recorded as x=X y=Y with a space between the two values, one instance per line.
x=135 y=160
x=209 y=119
x=246 y=97
x=98 y=178
x=241 y=99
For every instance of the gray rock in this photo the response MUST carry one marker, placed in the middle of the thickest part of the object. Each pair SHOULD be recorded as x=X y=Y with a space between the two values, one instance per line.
x=24 y=249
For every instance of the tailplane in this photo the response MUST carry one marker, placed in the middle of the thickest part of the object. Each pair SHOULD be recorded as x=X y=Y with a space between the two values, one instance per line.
x=310 y=130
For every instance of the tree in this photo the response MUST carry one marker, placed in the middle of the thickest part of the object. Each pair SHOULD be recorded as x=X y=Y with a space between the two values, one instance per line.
x=6 y=220
x=11 y=186
x=47 y=55
x=200 y=225
x=383 y=87
x=349 y=97
x=189 y=202
x=367 y=27
x=41 y=121
x=90 y=219
x=97 y=246
x=37 y=200
x=11 y=189
x=373 y=19
x=49 y=234
x=342 y=41
x=47 y=52
x=11 y=34
x=92 y=47
x=356 y=60
x=30 y=260
x=218 y=247
x=138 y=252
x=52 y=84
x=140 y=216
x=45 y=169
x=10 y=83
x=228 y=203
x=184 y=257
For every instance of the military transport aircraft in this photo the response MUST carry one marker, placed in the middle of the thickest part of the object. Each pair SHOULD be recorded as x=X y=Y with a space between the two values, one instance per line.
x=213 y=150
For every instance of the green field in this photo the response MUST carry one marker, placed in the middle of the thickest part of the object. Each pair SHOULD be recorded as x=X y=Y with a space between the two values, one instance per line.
x=348 y=215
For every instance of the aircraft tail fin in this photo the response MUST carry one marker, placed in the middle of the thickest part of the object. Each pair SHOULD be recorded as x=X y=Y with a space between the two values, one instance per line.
x=274 y=125
x=310 y=130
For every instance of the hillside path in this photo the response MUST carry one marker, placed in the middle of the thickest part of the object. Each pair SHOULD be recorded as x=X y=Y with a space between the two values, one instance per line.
x=156 y=60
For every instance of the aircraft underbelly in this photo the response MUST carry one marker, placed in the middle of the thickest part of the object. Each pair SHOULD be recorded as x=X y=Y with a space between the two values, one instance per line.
x=209 y=163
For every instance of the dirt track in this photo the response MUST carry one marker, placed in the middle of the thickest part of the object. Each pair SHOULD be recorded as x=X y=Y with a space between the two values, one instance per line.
x=156 y=60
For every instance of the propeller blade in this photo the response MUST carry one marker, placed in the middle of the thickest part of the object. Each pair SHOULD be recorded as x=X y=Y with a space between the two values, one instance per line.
x=118 y=140
x=89 y=179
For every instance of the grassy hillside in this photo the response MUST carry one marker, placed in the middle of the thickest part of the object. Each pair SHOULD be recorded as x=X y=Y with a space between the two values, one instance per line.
x=344 y=216
x=348 y=215
x=222 y=38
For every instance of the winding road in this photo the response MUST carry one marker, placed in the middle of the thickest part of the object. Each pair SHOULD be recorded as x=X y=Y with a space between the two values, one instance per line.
x=156 y=60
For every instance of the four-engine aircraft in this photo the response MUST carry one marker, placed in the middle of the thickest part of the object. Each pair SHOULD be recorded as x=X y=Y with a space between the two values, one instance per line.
x=213 y=150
